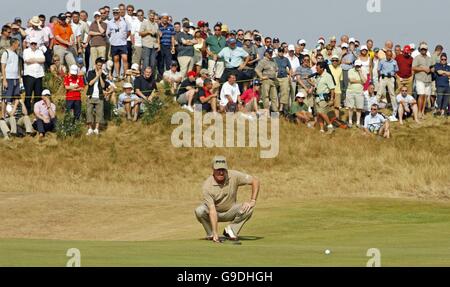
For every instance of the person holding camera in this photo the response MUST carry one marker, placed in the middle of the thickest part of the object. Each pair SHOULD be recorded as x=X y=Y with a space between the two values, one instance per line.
x=386 y=70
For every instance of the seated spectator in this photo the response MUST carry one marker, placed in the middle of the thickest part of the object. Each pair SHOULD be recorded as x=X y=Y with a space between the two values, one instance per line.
x=57 y=68
x=207 y=98
x=81 y=68
x=172 y=79
x=3 y=125
x=187 y=91
x=251 y=97
x=230 y=96
x=129 y=103
x=376 y=124
x=145 y=85
x=45 y=113
x=132 y=74
x=17 y=116
x=407 y=106
x=300 y=111
x=95 y=96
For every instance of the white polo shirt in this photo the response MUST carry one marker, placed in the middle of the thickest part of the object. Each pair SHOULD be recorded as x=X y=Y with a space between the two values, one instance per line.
x=229 y=90
x=374 y=123
x=33 y=70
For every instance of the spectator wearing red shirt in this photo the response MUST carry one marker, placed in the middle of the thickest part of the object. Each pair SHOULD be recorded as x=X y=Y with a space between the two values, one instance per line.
x=74 y=84
x=207 y=97
x=404 y=76
x=251 y=96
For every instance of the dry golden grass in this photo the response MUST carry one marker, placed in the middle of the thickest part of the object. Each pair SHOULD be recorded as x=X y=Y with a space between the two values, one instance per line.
x=75 y=189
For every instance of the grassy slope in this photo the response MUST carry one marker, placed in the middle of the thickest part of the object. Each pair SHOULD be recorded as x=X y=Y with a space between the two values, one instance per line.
x=408 y=233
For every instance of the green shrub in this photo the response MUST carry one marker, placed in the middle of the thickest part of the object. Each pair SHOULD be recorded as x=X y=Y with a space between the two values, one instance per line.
x=151 y=110
x=68 y=127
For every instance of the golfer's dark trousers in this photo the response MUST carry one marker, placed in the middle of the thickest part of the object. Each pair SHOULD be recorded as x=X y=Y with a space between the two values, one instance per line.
x=42 y=127
x=76 y=107
x=31 y=85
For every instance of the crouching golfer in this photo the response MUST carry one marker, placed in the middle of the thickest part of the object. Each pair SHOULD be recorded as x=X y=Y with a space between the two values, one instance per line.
x=219 y=203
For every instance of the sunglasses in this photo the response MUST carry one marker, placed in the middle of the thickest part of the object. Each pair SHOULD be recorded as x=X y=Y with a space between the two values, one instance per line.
x=374 y=109
x=334 y=60
x=217 y=30
x=33 y=44
x=404 y=91
x=444 y=59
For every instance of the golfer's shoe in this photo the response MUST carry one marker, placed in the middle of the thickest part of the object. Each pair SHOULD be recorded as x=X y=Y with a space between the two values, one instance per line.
x=229 y=234
x=209 y=237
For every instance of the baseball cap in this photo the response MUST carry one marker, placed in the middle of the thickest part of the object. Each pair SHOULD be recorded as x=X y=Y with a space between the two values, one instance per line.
x=219 y=162
x=192 y=74
x=135 y=67
x=79 y=60
x=204 y=72
x=33 y=40
x=62 y=16
x=423 y=46
x=258 y=38
x=364 y=47
x=96 y=13
x=164 y=14
x=186 y=25
x=127 y=86
x=344 y=45
x=335 y=57
x=321 y=41
x=115 y=9
x=17 y=19
x=301 y=42
x=174 y=64
x=74 y=70
x=276 y=40
x=351 y=40
x=14 y=26
x=358 y=63
x=291 y=48
x=376 y=49
x=200 y=24
x=256 y=82
x=100 y=60
x=233 y=32
x=280 y=50
x=300 y=95
x=232 y=41
x=407 y=49
x=412 y=46
x=46 y=92
x=269 y=50
x=207 y=81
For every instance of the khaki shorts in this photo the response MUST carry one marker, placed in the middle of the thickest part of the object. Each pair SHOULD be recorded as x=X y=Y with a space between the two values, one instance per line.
x=250 y=106
x=423 y=88
x=337 y=100
x=354 y=101
x=322 y=107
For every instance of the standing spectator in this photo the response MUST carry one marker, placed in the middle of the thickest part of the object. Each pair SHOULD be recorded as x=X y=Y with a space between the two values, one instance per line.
x=185 y=49
x=45 y=113
x=145 y=85
x=404 y=75
x=267 y=71
x=74 y=84
x=442 y=71
x=167 y=41
x=295 y=64
x=10 y=74
x=84 y=38
x=198 y=54
x=355 y=97
x=34 y=60
x=236 y=59
x=283 y=79
x=136 y=38
x=336 y=72
x=37 y=33
x=213 y=45
x=97 y=37
x=150 y=41
x=347 y=59
x=387 y=69
x=118 y=33
x=304 y=80
x=324 y=91
x=97 y=84
x=366 y=62
x=422 y=71
x=64 y=41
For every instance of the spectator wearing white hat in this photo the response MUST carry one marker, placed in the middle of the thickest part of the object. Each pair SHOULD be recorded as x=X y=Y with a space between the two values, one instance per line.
x=34 y=60
x=366 y=62
x=129 y=103
x=45 y=112
x=37 y=33
x=74 y=84
x=300 y=110
x=355 y=98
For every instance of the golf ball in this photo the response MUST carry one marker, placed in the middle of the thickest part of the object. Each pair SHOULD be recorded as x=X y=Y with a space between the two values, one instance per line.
x=327 y=252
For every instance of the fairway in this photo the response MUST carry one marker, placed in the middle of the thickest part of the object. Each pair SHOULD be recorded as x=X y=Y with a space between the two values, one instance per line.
x=407 y=233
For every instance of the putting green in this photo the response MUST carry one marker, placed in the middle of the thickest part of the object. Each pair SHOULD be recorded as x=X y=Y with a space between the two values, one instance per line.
x=407 y=233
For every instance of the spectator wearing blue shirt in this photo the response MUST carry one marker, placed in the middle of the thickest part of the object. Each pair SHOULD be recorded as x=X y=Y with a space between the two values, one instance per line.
x=118 y=33
x=386 y=72
x=167 y=44
x=235 y=58
x=347 y=61
x=442 y=70
x=283 y=78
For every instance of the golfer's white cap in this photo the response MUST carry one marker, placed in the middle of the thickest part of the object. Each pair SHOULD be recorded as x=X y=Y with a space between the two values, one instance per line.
x=127 y=86
x=74 y=70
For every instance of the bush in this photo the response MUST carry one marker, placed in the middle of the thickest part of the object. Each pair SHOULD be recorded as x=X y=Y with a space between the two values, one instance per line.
x=68 y=127
x=151 y=110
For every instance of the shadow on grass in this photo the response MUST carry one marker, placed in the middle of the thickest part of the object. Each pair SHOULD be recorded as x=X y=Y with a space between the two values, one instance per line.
x=250 y=238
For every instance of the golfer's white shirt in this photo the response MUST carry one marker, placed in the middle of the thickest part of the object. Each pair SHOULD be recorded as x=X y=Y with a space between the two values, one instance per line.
x=229 y=90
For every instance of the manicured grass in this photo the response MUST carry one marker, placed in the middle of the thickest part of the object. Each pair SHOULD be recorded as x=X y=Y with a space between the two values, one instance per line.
x=282 y=233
